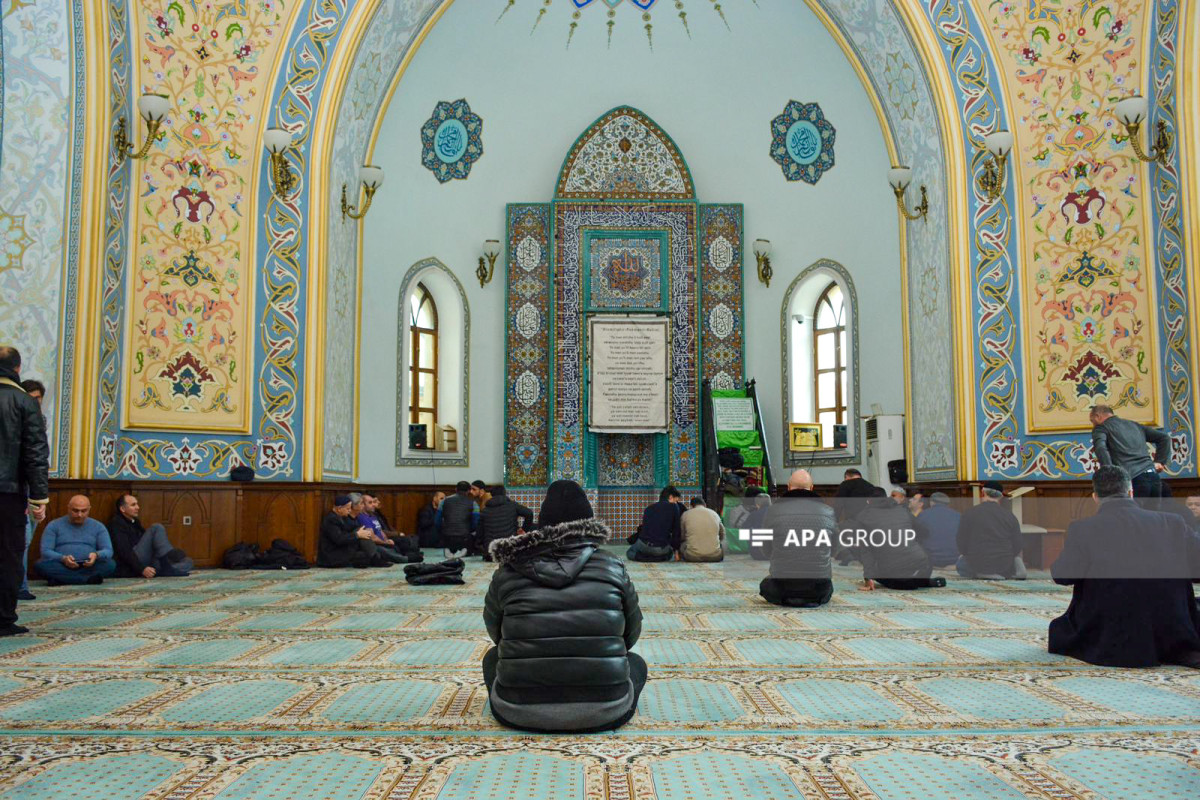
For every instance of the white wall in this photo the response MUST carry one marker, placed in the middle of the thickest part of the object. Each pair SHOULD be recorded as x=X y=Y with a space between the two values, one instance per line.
x=715 y=94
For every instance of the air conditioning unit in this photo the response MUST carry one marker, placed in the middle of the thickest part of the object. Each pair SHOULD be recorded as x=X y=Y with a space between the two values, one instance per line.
x=885 y=442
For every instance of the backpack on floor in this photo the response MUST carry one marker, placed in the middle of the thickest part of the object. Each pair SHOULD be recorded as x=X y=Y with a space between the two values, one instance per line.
x=242 y=555
x=281 y=555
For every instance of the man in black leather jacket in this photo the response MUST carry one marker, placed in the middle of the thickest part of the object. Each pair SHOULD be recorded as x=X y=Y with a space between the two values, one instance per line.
x=24 y=480
x=563 y=615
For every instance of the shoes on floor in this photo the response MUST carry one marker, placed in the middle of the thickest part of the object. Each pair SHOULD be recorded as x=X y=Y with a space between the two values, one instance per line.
x=95 y=580
x=455 y=553
x=25 y=594
x=13 y=630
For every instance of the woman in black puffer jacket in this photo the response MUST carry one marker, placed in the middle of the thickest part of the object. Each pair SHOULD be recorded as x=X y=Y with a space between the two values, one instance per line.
x=563 y=615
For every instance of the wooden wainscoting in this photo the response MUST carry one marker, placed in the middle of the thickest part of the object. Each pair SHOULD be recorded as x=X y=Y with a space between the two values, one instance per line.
x=206 y=518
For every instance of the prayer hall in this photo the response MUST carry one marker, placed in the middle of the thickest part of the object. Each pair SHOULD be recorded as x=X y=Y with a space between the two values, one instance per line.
x=605 y=399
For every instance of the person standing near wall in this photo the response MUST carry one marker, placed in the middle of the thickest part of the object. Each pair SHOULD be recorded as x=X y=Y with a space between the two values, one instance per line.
x=24 y=481
x=1122 y=443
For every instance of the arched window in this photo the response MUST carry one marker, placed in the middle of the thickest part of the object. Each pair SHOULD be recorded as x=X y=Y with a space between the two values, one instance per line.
x=830 y=386
x=819 y=330
x=423 y=360
x=433 y=367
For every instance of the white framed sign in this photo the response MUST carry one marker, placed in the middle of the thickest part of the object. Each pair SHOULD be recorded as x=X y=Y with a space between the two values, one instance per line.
x=629 y=358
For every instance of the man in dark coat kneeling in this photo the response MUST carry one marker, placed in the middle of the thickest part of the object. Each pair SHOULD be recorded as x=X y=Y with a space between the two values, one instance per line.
x=1132 y=570
x=563 y=615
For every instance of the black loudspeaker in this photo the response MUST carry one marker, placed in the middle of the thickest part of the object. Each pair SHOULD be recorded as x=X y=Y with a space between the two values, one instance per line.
x=898 y=471
x=839 y=436
x=418 y=436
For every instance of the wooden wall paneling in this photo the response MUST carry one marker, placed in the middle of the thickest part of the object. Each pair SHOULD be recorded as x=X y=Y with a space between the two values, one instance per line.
x=224 y=513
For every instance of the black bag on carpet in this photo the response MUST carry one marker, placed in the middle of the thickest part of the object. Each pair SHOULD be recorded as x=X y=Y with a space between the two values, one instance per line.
x=446 y=573
x=242 y=555
x=281 y=555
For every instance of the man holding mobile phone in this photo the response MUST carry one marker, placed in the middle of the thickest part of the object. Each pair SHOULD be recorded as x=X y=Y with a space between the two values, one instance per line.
x=76 y=549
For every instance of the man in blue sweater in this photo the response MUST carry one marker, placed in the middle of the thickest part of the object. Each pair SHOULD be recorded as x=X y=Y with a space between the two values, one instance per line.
x=76 y=548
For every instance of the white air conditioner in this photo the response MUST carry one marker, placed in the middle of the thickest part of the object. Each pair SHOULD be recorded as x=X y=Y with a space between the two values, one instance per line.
x=885 y=442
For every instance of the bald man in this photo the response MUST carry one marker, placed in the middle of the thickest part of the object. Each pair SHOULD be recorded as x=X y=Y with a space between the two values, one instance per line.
x=76 y=548
x=801 y=573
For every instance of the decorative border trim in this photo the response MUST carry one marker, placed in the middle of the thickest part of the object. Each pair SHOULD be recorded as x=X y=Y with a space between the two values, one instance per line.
x=851 y=456
x=719 y=287
x=527 y=428
x=1176 y=334
x=417 y=269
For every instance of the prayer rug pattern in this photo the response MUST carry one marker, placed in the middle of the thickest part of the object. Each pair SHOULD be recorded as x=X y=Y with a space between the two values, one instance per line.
x=342 y=683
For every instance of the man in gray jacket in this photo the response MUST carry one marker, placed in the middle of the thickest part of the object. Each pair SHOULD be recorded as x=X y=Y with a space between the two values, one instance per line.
x=801 y=573
x=1122 y=442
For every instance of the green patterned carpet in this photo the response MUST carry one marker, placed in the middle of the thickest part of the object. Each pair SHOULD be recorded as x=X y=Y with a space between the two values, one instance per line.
x=352 y=684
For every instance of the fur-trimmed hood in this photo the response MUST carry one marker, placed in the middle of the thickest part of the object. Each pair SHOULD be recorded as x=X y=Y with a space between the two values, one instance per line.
x=553 y=555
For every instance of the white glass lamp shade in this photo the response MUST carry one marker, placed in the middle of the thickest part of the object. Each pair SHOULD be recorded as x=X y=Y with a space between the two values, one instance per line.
x=762 y=247
x=277 y=140
x=153 y=107
x=491 y=248
x=371 y=176
x=900 y=177
x=1131 y=110
x=999 y=143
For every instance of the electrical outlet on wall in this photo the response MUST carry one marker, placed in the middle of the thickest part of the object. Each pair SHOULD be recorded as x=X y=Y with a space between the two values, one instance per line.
x=187 y=520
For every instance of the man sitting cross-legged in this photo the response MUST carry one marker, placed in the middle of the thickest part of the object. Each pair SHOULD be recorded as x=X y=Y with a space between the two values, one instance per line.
x=701 y=533
x=143 y=552
x=76 y=548
x=345 y=543
x=801 y=569
x=1131 y=573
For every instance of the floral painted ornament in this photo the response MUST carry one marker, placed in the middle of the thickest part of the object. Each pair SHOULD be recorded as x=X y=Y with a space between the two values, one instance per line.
x=802 y=142
x=451 y=140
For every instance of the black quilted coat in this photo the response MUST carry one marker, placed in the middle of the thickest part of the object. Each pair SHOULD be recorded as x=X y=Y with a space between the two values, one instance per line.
x=563 y=615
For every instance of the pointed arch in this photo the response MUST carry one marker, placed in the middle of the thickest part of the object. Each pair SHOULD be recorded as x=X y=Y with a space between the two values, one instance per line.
x=625 y=154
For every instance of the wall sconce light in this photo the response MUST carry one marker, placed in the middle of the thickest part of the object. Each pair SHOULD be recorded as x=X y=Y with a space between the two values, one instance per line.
x=277 y=141
x=999 y=144
x=899 y=178
x=153 y=109
x=372 y=178
x=762 y=253
x=487 y=262
x=1131 y=111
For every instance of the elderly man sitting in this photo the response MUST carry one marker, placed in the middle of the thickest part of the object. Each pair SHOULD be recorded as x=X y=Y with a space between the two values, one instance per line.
x=76 y=548
x=345 y=543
